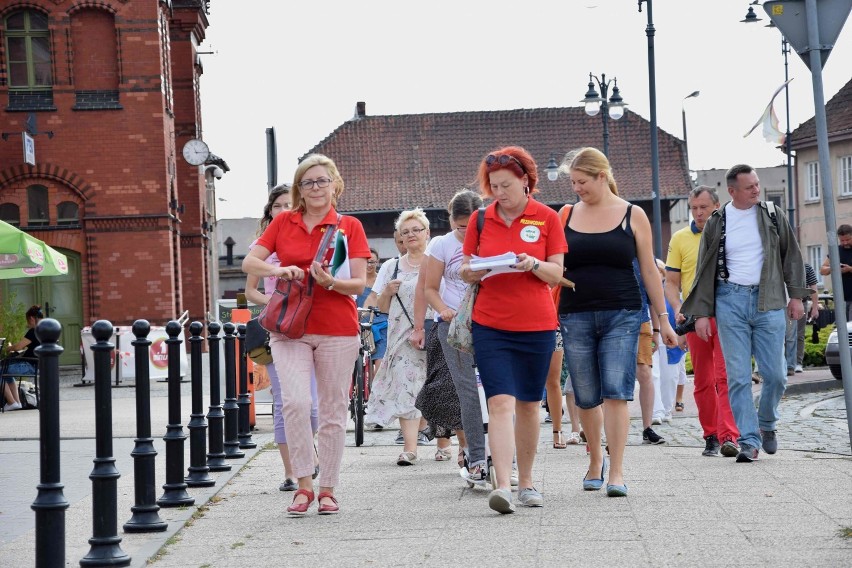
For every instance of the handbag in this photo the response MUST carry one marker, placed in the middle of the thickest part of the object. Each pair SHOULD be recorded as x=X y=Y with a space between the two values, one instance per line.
x=257 y=343
x=290 y=304
x=459 y=334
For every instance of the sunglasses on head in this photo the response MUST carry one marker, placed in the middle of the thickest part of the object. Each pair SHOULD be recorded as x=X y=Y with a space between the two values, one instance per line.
x=503 y=160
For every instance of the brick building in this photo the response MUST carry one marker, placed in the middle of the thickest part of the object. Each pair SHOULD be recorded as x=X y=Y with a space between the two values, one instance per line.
x=114 y=88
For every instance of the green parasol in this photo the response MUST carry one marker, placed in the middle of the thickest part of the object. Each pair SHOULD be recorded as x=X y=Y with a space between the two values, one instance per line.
x=22 y=255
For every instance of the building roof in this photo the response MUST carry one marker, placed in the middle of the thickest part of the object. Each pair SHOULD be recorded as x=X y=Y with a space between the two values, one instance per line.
x=838 y=113
x=391 y=163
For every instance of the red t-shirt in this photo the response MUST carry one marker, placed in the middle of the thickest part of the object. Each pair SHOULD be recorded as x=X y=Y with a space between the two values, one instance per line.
x=332 y=313
x=516 y=301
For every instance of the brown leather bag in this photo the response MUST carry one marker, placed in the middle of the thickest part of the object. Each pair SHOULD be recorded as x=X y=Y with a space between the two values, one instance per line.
x=290 y=305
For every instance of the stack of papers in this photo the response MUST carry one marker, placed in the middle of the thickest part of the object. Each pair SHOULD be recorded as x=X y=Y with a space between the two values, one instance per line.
x=498 y=264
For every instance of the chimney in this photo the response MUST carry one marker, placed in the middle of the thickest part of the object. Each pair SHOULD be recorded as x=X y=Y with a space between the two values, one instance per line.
x=360 y=109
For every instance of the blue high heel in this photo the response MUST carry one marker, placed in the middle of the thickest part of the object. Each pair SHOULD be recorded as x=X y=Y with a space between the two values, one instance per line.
x=595 y=484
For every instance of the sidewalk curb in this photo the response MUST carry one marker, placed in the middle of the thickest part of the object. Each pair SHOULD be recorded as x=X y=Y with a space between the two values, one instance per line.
x=814 y=386
x=158 y=540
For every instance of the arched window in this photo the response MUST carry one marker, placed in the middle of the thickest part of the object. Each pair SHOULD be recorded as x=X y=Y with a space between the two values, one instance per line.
x=37 y=205
x=28 y=50
x=67 y=213
x=10 y=213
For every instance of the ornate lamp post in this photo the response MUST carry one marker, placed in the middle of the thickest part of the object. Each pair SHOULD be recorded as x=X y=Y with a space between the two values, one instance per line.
x=612 y=107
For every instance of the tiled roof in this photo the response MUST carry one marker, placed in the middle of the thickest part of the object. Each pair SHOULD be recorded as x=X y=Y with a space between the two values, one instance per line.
x=390 y=163
x=838 y=113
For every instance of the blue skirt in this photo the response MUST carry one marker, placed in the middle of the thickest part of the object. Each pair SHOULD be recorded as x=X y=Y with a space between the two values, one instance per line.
x=513 y=362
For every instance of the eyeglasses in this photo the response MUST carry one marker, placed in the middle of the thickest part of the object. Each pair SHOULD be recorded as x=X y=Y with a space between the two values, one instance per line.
x=372 y=262
x=321 y=183
x=503 y=160
x=415 y=231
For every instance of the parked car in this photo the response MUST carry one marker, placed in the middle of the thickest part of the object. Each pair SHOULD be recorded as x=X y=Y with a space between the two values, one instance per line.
x=832 y=351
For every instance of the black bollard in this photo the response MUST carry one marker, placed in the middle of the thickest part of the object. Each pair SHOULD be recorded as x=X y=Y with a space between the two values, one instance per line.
x=215 y=415
x=105 y=543
x=245 y=400
x=174 y=490
x=146 y=516
x=232 y=411
x=199 y=473
x=50 y=503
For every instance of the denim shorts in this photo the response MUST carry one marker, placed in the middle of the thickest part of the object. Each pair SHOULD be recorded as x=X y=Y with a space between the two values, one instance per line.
x=513 y=362
x=601 y=349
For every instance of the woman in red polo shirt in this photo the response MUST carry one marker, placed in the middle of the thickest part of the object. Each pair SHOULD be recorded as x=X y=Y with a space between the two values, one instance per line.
x=330 y=343
x=514 y=319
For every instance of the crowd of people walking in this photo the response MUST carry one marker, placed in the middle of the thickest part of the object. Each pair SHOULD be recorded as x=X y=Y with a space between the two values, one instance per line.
x=732 y=285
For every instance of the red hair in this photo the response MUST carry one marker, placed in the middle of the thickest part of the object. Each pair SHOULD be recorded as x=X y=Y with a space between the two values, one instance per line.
x=527 y=167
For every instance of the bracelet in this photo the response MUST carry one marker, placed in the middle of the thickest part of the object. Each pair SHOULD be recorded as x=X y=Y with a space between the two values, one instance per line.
x=663 y=314
x=655 y=330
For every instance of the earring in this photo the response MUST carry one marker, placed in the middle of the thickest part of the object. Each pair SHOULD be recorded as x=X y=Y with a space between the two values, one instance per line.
x=526 y=190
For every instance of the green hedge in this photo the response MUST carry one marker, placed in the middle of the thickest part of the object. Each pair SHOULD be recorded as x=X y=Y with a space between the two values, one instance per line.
x=814 y=352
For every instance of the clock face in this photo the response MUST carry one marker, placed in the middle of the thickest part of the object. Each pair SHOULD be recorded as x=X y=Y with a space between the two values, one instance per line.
x=196 y=152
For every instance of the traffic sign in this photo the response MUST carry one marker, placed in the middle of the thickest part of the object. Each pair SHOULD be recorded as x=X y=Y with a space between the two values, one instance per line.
x=790 y=17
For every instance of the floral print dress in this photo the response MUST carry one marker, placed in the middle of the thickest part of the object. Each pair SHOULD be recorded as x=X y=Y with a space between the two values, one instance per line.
x=403 y=370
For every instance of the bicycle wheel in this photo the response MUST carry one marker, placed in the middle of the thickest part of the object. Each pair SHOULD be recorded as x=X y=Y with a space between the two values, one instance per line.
x=358 y=406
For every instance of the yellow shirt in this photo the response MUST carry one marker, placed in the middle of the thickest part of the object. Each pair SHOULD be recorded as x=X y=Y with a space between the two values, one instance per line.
x=683 y=257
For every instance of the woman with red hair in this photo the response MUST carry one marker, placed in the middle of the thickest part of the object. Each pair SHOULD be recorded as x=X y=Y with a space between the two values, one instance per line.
x=514 y=317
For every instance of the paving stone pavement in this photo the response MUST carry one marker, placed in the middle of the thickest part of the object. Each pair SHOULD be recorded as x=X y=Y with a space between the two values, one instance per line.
x=683 y=510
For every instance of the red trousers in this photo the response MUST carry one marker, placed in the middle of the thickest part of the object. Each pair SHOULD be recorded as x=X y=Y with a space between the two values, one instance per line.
x=711 y=386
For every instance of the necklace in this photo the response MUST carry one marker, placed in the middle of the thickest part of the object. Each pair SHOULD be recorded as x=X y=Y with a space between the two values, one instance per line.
x=411 y=264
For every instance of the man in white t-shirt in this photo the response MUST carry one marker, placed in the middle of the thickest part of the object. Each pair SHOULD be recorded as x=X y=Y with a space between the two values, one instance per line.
x=750 y=270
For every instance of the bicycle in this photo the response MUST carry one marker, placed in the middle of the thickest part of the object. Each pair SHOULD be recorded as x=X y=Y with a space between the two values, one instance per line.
x=362 y=376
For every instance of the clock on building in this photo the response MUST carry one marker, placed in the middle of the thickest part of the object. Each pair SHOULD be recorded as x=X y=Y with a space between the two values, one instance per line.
x=196 y=152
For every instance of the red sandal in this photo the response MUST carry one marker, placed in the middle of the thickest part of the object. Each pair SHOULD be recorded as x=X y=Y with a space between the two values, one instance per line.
x=299 y=509
x=327 y=509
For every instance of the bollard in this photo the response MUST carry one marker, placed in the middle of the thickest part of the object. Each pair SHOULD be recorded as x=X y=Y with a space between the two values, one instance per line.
x=50 y=503
x=174 y=490
x=146 y=517
x=105 y=543
x=232 y=419
x=199 y=473
x=215 y=415
x=245 y=402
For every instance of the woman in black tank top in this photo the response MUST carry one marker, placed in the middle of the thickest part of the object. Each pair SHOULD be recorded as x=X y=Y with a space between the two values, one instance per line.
x=600 y=321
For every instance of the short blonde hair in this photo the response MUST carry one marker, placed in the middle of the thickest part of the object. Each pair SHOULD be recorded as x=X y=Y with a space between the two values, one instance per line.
x=416 y=214
x=305 y=165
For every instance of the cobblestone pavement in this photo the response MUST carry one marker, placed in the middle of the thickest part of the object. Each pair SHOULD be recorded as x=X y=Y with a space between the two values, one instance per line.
x=814 y=422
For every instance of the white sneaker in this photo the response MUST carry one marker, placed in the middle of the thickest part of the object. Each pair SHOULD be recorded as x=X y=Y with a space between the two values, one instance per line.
x=656 y=421
x=799 y=369
x=12 y=406
x=668 y=417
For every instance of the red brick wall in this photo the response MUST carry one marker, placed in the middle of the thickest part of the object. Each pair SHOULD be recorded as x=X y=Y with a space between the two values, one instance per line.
x=122 y=166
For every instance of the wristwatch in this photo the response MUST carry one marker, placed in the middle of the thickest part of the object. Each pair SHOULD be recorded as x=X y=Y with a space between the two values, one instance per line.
x=536 y=264
x=330 y=287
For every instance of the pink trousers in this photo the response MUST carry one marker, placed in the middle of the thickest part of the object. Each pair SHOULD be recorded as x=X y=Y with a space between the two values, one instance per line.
x=333 y=357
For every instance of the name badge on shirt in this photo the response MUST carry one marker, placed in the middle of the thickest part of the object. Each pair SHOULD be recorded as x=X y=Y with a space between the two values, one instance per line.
x=530 y=233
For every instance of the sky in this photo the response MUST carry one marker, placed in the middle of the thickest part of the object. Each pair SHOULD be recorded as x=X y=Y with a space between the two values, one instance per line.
x=300 y=67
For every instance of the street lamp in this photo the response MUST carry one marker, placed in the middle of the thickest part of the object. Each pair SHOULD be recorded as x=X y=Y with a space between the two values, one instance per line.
x=683 y=116
x=612 y=107
x=751 y=18
x=650 y=31
x=552 y=169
